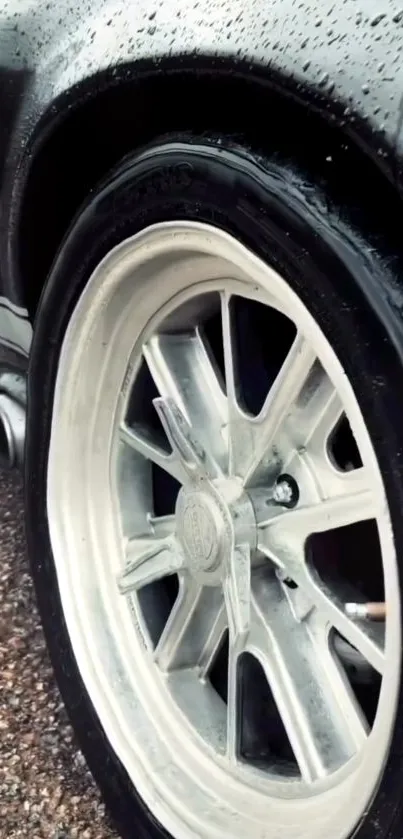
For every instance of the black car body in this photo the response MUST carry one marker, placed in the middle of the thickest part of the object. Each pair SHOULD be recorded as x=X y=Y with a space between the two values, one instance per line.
x=82 y=84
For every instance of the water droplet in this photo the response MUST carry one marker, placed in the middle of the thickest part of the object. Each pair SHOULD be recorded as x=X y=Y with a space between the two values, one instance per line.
x=377 y=19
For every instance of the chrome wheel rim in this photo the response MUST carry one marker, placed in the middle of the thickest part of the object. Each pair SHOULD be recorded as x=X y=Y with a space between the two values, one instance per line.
x=236 y=543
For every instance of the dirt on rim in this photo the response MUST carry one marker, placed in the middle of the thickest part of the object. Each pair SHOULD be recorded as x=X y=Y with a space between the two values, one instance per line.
x=46 y=790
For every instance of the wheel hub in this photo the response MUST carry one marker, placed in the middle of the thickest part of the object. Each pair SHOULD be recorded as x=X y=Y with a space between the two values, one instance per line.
x=201 y=530
x=212 y=519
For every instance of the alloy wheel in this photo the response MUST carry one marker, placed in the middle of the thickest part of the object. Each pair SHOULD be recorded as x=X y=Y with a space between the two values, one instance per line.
x=217 y=491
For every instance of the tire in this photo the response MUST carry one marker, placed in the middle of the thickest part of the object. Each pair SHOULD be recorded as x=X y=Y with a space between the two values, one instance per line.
x=347 y=284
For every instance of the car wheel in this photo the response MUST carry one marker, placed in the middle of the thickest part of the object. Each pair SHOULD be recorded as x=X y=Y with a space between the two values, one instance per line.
x=213 y=495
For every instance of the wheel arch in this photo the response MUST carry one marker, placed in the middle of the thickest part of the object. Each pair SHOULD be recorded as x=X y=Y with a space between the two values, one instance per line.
x=88 y=130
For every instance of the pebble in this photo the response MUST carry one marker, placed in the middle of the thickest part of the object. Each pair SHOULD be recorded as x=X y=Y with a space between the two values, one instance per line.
x=46 y=790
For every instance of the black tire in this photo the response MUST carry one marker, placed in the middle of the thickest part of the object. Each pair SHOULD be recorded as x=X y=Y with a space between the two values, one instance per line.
x=347 y=283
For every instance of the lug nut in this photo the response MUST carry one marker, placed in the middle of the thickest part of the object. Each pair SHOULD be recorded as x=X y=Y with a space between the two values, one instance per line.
x=286 y=491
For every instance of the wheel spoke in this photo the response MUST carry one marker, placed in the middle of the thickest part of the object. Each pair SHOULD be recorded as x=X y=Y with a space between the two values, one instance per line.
x=268 y=426
x=301 y=522
x=310 y=433
x=288 y=554
x=310 y=426
x=316 y=412
x=327 y=418
x=184 y=373
x=194 y=628
x=237 y=601
x=334 y=483
x=162 y=526
x=366 y=636
x=230 y=361
x=320 y=631
x=147 y=560
x=241 y=430
x=321 y=734
x=233 y=699
x=181 y=436
x=237 y=593
x=137 y=440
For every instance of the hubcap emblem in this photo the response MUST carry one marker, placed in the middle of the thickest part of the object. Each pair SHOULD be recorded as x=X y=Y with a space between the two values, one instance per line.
x=198 y=529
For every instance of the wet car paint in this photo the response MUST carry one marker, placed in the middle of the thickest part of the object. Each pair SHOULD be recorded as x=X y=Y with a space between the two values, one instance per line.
x=342 y=58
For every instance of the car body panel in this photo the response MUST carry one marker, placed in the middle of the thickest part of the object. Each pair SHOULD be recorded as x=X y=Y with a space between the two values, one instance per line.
x=343 y=58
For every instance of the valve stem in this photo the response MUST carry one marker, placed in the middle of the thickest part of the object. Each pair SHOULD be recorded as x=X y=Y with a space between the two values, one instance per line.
x=366 y=611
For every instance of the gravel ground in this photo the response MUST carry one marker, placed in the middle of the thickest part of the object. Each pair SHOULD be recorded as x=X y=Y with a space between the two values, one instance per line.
x=46 y=791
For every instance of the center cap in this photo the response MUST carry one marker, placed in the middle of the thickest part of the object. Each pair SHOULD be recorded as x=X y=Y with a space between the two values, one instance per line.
x=201 y=529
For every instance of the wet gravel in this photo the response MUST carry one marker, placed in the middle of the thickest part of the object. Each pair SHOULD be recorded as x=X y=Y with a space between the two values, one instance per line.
x=46 y=791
